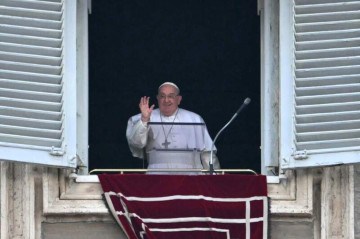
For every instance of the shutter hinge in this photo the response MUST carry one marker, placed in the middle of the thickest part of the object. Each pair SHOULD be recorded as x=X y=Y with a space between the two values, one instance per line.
x=80 y=162
x=300 y=155
x=72 y=161
x=56 y=152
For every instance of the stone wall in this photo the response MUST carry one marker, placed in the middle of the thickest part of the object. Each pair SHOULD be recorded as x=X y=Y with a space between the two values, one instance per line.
x=38 y=202
x=357 y=201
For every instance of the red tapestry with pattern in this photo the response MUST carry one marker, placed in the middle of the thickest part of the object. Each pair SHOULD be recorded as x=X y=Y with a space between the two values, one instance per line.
x=185 y=206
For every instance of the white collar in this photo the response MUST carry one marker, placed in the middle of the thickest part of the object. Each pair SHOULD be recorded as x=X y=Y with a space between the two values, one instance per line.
x=171 y=117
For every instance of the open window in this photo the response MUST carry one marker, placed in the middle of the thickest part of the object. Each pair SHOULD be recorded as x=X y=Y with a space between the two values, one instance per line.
x=39 y=83
x=31 y=22
x=310 y=109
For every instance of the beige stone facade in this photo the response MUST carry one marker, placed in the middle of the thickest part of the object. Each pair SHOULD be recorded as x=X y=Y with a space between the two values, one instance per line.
x=48 y=203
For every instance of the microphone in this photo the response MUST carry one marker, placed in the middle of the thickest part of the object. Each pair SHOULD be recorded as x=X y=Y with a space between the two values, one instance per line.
x=244 y=104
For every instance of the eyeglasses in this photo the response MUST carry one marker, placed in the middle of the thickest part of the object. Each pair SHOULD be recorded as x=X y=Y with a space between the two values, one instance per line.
x=170 y=96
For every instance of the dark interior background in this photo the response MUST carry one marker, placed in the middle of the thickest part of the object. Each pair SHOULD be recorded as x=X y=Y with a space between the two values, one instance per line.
x=209 y=48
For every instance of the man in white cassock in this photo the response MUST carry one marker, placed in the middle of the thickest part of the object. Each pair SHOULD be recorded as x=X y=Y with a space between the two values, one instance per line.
x=170 y=137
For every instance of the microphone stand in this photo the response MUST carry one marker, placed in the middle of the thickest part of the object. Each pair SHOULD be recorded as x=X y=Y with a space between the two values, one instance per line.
x=211 y=164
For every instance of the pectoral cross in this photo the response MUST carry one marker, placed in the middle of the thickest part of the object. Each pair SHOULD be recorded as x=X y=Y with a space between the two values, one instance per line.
x=166 y=144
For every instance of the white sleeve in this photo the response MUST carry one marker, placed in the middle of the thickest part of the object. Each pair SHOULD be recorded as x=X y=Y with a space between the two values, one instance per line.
x=136 y=135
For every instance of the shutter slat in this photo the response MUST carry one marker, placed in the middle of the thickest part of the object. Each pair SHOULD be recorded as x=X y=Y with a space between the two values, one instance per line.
x=327 y=108
x=26 y=131
x=327 y=16
x=58 y=1
x=328 y=117
x=329 y=144
x=30 y=40
x=328 y=71
x=328 y=80
x=32 y=50
x=31 y=77
x=326 y=26
x=327 y=7
x=328 y=53
x=30 y=22
x=30 y=123
x=26 y=140
x=322 y=62
x=319 y=2
x=30 y=86
x=30 y=31
x=328 y=126
x=329 y=89
x=327 y=44
x=328 y=35
x=32 y=114
x=30 y=95
x=26 y=58
x=28 y=104
x=33 y=68
x=328 y=135
x=324 y=99
x=35 y=5
x=30 y=13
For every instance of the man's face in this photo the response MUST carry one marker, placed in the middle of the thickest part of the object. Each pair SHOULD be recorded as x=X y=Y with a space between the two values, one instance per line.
x=168 y=100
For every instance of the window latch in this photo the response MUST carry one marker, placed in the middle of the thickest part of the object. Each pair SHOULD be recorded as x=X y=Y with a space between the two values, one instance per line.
x=300 y=155
x=56 y=152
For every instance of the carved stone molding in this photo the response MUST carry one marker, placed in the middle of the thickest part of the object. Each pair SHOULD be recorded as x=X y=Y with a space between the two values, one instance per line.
x=62 y=196
x=293 y=195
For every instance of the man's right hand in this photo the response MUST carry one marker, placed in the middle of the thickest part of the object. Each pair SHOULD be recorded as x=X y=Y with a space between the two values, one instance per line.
x=145 y=109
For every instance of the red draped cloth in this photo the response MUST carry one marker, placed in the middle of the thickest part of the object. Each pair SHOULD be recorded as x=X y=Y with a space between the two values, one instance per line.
x=187 y=206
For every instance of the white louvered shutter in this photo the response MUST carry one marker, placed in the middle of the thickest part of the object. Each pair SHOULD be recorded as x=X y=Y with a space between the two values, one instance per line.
x=38 y=81
x=320 y=83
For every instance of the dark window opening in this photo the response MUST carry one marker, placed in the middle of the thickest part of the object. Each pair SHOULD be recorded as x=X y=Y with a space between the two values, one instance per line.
x=211 y=49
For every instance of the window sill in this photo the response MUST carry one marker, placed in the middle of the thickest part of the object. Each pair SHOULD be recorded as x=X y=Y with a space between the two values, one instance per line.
x=95 y=179
x=83 y=194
